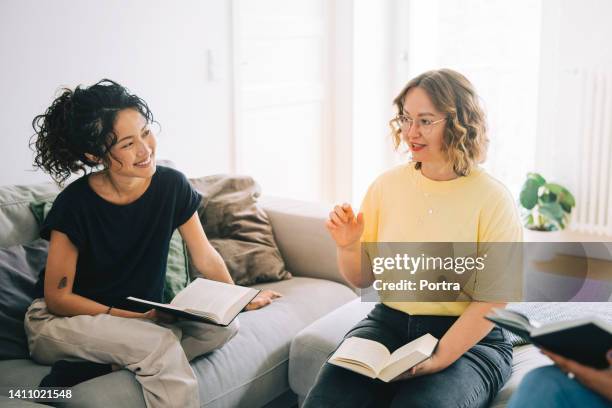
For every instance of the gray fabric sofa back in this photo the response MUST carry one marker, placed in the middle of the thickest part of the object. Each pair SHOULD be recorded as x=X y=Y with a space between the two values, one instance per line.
x=17 y=223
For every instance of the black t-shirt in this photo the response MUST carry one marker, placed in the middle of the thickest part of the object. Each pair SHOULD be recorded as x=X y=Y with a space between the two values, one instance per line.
x=123 y=249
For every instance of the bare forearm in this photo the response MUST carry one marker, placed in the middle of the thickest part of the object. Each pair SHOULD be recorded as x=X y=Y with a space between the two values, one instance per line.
x=205 y=258
x=71 y=304
x=349 y=264
x=468 y=330
x=214 y=268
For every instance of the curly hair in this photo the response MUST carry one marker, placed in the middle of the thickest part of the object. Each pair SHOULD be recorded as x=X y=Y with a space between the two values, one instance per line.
x=80 y=122
x=465 y=139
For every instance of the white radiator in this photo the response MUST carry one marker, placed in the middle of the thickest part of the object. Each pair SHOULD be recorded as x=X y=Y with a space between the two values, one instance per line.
x=594 y=194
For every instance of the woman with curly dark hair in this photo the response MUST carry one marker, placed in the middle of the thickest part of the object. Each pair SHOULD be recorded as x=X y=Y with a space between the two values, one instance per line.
x=441 y=196
x=109 y=234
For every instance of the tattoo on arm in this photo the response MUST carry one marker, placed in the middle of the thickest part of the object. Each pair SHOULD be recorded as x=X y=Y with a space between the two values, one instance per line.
x=62 y=283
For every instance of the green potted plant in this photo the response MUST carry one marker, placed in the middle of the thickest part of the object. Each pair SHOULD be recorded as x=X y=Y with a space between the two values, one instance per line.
x=546 y=206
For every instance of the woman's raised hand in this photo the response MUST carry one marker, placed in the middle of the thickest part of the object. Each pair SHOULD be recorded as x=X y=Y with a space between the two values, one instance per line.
x=344 y=227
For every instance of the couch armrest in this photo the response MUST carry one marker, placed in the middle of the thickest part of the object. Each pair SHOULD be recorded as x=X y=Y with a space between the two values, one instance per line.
x=304 y=243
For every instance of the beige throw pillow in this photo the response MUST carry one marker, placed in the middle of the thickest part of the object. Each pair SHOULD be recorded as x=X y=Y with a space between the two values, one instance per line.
x=239 y=229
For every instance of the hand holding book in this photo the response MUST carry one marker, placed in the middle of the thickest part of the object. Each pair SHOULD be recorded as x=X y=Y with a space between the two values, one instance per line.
x=209 y=301
x=159 y=316
x=599 y=381
x=263 y=298
x=373 y=359
x=426 y=367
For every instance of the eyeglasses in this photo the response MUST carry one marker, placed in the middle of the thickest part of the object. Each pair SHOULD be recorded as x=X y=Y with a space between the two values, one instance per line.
x=404 y=123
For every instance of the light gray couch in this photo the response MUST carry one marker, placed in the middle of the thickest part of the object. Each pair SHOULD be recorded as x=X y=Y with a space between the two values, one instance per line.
x=249 y=371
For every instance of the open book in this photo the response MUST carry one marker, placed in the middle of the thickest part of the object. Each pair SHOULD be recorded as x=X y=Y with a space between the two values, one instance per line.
x=206 y=300
x=372 y=359
x=586 y=340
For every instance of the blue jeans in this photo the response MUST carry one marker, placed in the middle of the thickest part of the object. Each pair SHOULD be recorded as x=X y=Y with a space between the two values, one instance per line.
x=471 y=381
x=549 y=387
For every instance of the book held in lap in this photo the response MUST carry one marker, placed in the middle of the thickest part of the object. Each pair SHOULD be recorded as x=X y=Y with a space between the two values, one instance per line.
x=372 y=359
x=207 y=301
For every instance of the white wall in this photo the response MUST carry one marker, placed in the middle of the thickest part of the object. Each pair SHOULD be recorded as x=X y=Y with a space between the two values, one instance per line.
x=158 y=49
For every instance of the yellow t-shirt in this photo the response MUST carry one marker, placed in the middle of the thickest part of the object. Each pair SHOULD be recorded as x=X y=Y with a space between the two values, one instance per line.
x=402 y=205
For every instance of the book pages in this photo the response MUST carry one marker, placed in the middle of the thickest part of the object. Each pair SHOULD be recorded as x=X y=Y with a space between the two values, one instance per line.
x=362 y=352
x=216 y=298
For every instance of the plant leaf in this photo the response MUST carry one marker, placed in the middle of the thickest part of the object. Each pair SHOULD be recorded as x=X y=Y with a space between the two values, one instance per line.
x=565 y=197
x=529 y=193
x=552 y=212
x=566 y=207
x=548 y=197
x=537 y=177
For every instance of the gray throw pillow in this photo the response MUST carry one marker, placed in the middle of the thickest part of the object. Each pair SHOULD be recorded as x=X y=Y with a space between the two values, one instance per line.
x=239 y=229
x=19 y=269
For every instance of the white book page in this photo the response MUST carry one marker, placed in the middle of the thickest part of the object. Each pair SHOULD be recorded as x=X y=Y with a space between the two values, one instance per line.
x=424 y=344
x=237 y=307
x=355 y=366
x=400 y=366
x=408 y=356
x=362 y=352
x=212 y=297
x=148 y=302
x=569 y=324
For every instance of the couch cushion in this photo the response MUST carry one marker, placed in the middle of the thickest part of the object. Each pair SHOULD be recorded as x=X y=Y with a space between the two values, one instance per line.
x=19 y=269
x=126 y=391
x=249 y=371
x=17 y=222
x=6 y=402
x=24 y=373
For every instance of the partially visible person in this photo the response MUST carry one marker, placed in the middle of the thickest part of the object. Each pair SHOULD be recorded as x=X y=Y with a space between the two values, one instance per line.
x=567 y=384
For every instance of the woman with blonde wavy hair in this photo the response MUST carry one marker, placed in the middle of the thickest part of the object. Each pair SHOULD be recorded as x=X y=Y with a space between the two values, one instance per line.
x=442 y=195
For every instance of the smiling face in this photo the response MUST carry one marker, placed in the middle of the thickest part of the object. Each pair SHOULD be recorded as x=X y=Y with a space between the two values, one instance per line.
x=133 y=155
x=424 y=138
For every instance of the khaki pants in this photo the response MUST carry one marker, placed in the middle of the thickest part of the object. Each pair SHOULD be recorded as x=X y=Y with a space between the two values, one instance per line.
x=157 y=354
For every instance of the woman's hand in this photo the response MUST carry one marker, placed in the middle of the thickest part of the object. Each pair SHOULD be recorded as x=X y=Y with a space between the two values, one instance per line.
x=599 y=381
x=264 y=298
x=158 y=316
x=344 y=227
x=429 y=366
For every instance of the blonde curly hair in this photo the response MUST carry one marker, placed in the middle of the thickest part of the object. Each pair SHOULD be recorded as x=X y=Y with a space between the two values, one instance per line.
x=465 y=139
